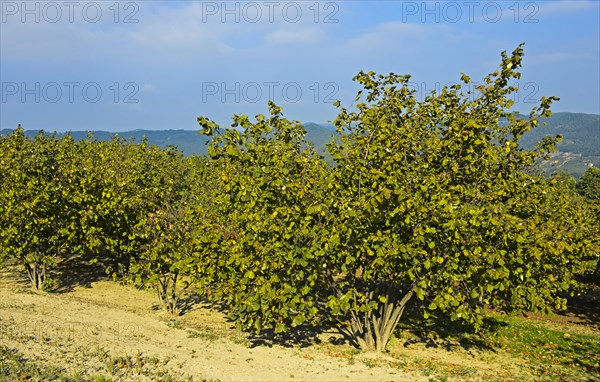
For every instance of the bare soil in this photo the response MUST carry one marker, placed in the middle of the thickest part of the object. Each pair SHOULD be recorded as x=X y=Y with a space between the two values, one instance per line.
x=101 y=327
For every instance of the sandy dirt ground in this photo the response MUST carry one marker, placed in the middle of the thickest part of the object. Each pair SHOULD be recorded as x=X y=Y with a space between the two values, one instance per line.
x=81 y=329
x=106 y=329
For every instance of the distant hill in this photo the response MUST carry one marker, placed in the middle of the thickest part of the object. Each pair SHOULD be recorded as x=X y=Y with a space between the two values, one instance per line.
x=580 y=146
x=579 y=149
x=190 y=142
x=581 y=133
x=319 y=135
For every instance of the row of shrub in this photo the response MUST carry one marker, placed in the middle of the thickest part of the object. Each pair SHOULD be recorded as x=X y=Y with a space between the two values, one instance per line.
x=432 y=200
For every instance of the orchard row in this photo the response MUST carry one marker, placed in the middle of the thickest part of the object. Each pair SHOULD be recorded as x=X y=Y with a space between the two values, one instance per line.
x=432 y=200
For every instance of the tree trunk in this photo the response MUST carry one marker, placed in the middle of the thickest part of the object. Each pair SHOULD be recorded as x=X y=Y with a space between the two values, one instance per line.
x=373 y=330
x=167 y=292
x=37 y=275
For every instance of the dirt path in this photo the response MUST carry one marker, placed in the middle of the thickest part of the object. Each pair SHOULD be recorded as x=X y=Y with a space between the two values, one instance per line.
x=104 y=329
x=87 y=329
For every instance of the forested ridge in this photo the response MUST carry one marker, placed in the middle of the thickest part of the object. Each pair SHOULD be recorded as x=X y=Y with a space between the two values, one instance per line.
x=579 y=148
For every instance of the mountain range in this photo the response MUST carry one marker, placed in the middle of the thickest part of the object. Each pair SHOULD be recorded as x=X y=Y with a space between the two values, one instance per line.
x=579 y=149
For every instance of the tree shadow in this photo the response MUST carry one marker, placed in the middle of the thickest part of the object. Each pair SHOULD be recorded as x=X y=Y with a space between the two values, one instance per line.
x=79 y=271
x=15 y=274
x=193 y=301
x=302 y=336
x=585 y=307
x=439 y=331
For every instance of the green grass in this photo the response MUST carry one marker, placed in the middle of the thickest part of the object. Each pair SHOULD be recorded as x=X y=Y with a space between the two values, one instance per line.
x=551 y=353
x=555 y=355
x=15 y=367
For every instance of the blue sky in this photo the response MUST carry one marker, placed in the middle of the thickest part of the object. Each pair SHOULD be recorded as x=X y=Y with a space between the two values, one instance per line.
x=127 y=65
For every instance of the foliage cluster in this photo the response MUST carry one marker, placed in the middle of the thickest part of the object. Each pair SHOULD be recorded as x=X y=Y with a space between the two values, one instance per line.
x=434 y=201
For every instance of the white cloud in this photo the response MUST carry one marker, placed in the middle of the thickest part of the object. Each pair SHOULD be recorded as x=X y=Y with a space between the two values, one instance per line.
x=551 y=57
x=53 y=41
x=396 y=34
x=180 y=29
x=298 y=36
x=147 y=88
x=137 y=107
x=165 y=32
x=554 y=7
x=160 y=30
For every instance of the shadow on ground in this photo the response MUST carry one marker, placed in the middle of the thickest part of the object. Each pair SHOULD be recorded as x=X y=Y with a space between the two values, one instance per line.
x=438 y=331
x=586 y=307
x=301 y=336
x=78 y=271
x=435 y=332
x=14 y=274
x=193 y=301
